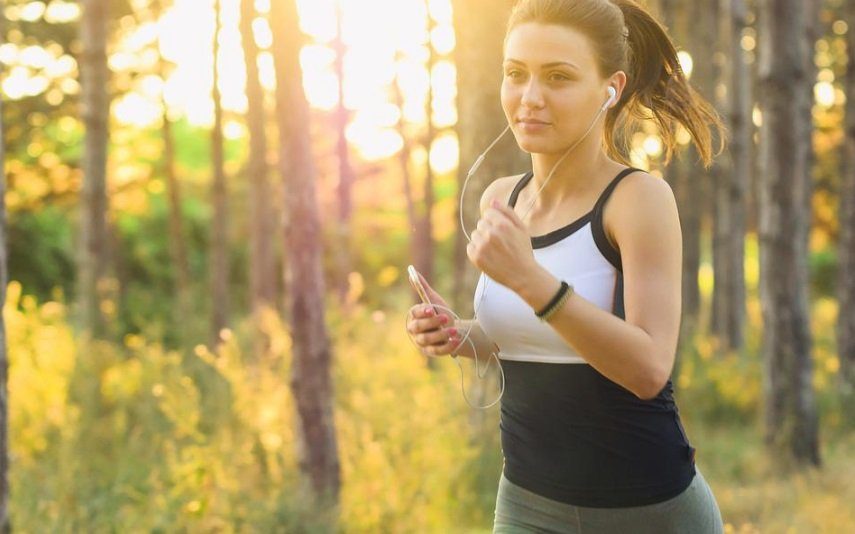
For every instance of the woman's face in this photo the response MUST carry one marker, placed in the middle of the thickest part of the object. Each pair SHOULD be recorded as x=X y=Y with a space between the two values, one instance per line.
x=551 y=80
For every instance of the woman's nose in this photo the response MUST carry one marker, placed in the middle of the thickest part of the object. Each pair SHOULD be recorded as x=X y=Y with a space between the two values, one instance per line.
x=532 y=95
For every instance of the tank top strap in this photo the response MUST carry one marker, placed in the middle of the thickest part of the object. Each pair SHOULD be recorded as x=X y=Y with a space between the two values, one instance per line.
x=607 y=192
x=599 y=233
x=512 y=200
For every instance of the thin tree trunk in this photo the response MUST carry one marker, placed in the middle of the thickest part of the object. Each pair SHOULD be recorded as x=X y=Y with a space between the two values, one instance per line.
x=95 y=110
x=790 y=412
x=404 y=161
x=312 y=354
x=479 y=27
x=346 y=175
x=5 y=520
x=424 y=233
x=846 y=243
x=262 y=261
x=731 y=184
x=177 y=243
x=687 y=179
x=219 y=224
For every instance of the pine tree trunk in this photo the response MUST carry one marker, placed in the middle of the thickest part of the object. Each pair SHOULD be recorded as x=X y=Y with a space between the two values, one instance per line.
x=262 y=267
x=5 y=520
x=785 y=177
x=732 y=183
x=687 y=180
x=346 y=174
x=312 y=354
x=219 y=224
x=95 y=110
x=479 y=27
x=177 y=242
x=846 y=243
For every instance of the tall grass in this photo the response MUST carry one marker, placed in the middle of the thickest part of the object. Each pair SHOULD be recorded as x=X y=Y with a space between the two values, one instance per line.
x=132 y=437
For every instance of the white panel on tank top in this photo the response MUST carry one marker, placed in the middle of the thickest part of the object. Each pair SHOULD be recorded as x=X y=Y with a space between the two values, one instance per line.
x=511 y=323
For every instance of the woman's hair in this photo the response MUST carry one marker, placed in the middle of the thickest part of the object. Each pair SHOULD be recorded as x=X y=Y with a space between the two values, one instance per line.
x=626 y=37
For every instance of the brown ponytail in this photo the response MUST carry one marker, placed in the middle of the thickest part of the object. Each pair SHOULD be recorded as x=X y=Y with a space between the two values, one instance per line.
x=626 y=37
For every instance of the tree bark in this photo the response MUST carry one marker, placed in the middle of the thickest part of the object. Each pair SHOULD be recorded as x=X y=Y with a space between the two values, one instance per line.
x=687 y=178
x=177 y=242
x=346 y=174
x=846 y=239
x=5 y=520
x=219 y=224
x=479 y=27
x=95 y=110
x=732 y=183
x=262 y=268
x=312 y=355
x=785 y=187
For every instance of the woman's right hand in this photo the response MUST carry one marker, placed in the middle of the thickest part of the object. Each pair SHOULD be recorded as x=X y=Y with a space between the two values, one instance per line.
x=433 y=329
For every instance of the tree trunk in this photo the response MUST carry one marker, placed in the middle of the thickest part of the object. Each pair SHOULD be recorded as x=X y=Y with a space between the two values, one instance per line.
x=404 y=161
x=312 y=355
x=262 y=268
x=785 y=83
x=95 y=110
x=424 y=231
x=732 y=184
x=846 y=243
x=687 y=181
x=479 y=27
x=674 y=20
x=177 y=243
x=219 y=224
x=346 y=175
x=5 y=520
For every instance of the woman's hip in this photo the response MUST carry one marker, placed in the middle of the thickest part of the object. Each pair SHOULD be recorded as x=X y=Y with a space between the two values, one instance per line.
x=694 y=510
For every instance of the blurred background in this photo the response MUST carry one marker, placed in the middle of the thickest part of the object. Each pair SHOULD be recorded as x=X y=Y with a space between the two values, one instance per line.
x=209 y=210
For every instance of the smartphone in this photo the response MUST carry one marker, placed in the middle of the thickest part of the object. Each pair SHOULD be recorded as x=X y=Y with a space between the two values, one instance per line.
x=417 y=285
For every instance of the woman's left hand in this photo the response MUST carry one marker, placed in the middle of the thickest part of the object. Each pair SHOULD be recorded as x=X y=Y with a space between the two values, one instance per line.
x=501 y=246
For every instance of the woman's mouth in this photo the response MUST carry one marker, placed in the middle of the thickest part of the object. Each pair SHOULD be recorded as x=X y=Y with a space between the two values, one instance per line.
x=533 y=125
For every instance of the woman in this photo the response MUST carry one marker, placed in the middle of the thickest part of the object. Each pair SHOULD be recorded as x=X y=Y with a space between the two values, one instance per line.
x=583 y=305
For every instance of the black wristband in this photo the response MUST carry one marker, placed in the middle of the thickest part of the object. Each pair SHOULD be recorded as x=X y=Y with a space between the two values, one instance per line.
x=563 y=289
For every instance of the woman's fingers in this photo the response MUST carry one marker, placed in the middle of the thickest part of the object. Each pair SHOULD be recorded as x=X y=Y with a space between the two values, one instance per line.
x=446 y=344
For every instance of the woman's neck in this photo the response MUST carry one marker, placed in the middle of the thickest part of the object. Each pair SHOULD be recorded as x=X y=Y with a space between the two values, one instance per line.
x=577 y=176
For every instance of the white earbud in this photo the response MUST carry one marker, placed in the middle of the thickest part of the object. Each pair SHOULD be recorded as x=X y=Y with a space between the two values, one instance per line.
x=612 y=98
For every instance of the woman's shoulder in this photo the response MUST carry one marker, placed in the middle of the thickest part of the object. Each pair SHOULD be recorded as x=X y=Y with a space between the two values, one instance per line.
x=500 y=189
x=638 y=197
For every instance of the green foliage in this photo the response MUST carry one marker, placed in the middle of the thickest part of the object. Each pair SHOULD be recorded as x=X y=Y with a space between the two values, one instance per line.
x=41 y=251
x=107 y=437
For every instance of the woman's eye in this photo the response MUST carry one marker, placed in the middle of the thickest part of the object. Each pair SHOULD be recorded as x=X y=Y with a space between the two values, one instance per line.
x=512 y=73
x=558 y=77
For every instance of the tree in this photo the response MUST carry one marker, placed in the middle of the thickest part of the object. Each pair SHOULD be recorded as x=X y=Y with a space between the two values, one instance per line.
x=262 y=269
x=5 y=522
x=219 y=224
x=346 y=174
x=733 y=182
x=95 y=110
x=697 y=181
x=846 y=243
x=310 y=380
x=177 y=241
x=785 y=186
x=479 y=27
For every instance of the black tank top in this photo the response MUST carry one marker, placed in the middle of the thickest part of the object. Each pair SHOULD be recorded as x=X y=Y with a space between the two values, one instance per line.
x=571 y=434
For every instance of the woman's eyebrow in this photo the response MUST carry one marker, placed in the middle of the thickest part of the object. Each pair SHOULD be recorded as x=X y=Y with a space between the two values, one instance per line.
x=545 y=65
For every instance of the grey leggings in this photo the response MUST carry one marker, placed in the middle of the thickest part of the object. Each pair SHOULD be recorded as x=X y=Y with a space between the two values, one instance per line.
x=693 y=511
